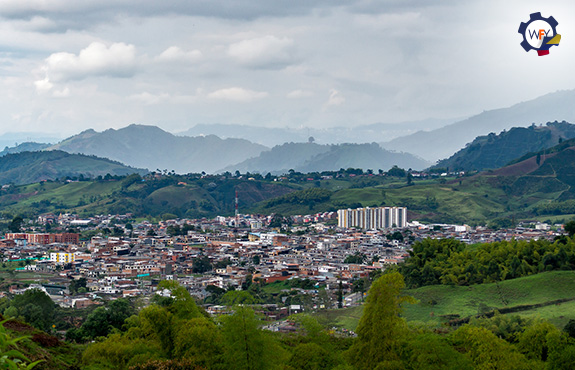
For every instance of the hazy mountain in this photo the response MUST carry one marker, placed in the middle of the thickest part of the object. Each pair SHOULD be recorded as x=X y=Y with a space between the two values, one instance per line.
x=445 y=141
x=29 y=167
x=151 y=147
x=335 y=135
x=13 y=139
x=494 y=151
x=311 y=157
x=25 y=147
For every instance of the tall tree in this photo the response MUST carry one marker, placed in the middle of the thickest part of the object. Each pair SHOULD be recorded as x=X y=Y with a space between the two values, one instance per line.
x=247 y=347
x=381 y=331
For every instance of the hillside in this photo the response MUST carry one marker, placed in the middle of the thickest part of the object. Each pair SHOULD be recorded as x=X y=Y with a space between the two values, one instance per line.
x=183 y=196
x=152 y=148
x=530 y=297
x=30 y=167
x=528 y=189
x=495 y=151
x=443 y=142
x=311 y=157
x=28 y=146
x=332 y=135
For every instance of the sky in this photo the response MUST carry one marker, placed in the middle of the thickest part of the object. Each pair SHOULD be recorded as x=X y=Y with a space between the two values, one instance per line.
x=67 y=66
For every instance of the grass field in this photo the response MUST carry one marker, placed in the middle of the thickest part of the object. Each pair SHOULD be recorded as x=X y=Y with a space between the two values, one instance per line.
x=435 y=302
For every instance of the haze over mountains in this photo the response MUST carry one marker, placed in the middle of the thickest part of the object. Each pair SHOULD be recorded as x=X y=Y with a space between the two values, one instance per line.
x=443 y=142
x=153 y=148
x=334 y=135
x=247 y=148
x=311 y=157
x=30 y=167
x=495 y=151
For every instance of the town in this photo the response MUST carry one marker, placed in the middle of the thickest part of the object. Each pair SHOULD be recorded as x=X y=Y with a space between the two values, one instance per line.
x=115 y=256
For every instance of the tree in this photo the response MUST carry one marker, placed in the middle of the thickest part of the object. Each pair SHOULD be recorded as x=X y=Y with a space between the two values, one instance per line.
x=381 y=331
x=36 y=307
x=16 y=224
x=396 y=171
x=570 y=227
x=246 y=346
x=201 y=264
x=357 y=258
x=75 y=285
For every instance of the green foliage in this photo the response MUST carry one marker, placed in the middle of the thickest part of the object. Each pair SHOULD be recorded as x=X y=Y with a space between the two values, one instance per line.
x=246 y=346
x=77 y=284
x=396 y=172
x=306 y=197
x=10 y=357
x=102 y=321
x=570 y=228
x=35 y=307
x=381 y=331
x=451 y=262
x=201 y=264
x=16 y=224
x=495 y=151
x=489 y=352
x=357 y=257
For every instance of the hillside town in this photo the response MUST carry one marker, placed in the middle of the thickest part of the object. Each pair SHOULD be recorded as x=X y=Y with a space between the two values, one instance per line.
x=124 y=258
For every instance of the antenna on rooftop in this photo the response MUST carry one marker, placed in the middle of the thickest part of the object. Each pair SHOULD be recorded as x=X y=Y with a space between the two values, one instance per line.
x=237 y=214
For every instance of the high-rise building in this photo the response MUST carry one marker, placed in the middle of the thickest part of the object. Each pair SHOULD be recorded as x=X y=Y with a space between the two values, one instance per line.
x=372 y=218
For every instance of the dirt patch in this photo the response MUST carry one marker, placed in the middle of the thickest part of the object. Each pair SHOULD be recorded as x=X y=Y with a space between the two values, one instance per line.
x=46 y=340
x=18 y=326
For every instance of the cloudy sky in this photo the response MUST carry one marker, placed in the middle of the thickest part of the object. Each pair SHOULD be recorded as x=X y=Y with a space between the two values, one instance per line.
x=68 y=65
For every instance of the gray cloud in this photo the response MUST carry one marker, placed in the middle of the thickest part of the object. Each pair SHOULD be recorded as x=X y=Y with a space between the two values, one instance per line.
x=71 y=65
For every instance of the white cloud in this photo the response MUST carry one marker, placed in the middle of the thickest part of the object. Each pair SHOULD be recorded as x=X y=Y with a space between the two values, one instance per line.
x=176 y=54
x=148 y=98
x=298 y=94
x=335 y=98
x=263 y=52
x=237 y=94
x=64 y=93
x=43 y=85
x=117 y=60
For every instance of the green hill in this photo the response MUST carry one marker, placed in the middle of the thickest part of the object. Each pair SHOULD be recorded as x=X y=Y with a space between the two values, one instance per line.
x=494 y=151
x=439 y=303
x=189 y=196
x=153 y=148
x=538 y=185
x=547 y=295
x=311 y=157
x=30 y=167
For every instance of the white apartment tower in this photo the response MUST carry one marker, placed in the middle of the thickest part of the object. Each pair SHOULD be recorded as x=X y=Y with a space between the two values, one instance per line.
x=372 y=218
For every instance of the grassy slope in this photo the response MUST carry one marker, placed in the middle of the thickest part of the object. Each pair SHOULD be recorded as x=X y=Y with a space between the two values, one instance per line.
x=466 y=301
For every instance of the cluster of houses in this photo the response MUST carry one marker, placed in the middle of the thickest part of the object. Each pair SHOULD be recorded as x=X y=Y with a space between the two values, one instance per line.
x=131 y=264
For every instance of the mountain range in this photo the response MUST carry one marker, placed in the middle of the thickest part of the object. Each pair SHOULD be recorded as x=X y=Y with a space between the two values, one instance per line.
x=312 y=157
x=443 y=142
x=333 y=135
x=241 y=148
x=30 y=167
x=494 y=151
x=153 y=148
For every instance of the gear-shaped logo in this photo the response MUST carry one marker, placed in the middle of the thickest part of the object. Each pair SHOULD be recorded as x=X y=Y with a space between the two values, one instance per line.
x=539 y=34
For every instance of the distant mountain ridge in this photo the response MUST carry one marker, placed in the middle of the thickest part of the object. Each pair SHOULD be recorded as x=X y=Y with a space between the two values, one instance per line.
x=312 y=157
x=443 y=142
x=153 y=148
x=30 y=167
x=494 y=151
x=335 y=135
x=24 y=147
